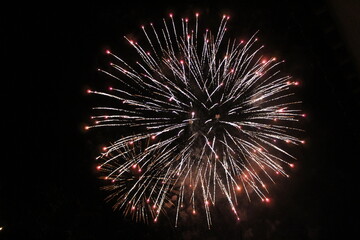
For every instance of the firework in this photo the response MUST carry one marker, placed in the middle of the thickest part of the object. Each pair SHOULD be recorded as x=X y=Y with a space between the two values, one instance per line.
x=202 y=119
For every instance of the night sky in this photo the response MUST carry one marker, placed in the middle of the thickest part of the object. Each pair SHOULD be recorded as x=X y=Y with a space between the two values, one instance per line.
x=49 y=188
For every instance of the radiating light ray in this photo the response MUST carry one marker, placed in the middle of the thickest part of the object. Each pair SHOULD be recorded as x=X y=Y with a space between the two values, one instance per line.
x=202 y=118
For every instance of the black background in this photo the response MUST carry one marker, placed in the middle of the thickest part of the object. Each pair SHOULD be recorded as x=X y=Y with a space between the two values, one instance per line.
x=48 y=183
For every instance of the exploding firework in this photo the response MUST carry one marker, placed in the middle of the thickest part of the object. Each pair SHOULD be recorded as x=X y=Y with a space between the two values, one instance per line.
x=201 y=119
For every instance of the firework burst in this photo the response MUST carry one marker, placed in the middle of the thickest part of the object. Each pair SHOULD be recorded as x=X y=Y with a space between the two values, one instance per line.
x=202 y=118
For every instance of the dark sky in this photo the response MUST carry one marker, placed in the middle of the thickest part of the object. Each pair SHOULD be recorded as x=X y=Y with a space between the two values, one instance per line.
x=48 y=186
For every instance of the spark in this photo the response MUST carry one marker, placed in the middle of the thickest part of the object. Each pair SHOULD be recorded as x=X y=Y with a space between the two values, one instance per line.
x=201 y=118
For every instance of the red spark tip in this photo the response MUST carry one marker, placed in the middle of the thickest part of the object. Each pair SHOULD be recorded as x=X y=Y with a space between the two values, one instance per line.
x=267 y=200
x=107 y=51
x=193 y=212
x=153 y=137
x=88 y=91
x=104 y=148
x=155 y=220
x=134 y=166
x=171 y=15
x=98 y=167
x=303 y=141
x=303 y=115
x=196 y=14
x=110 y=88
x=291 y=165
x=86 y=128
